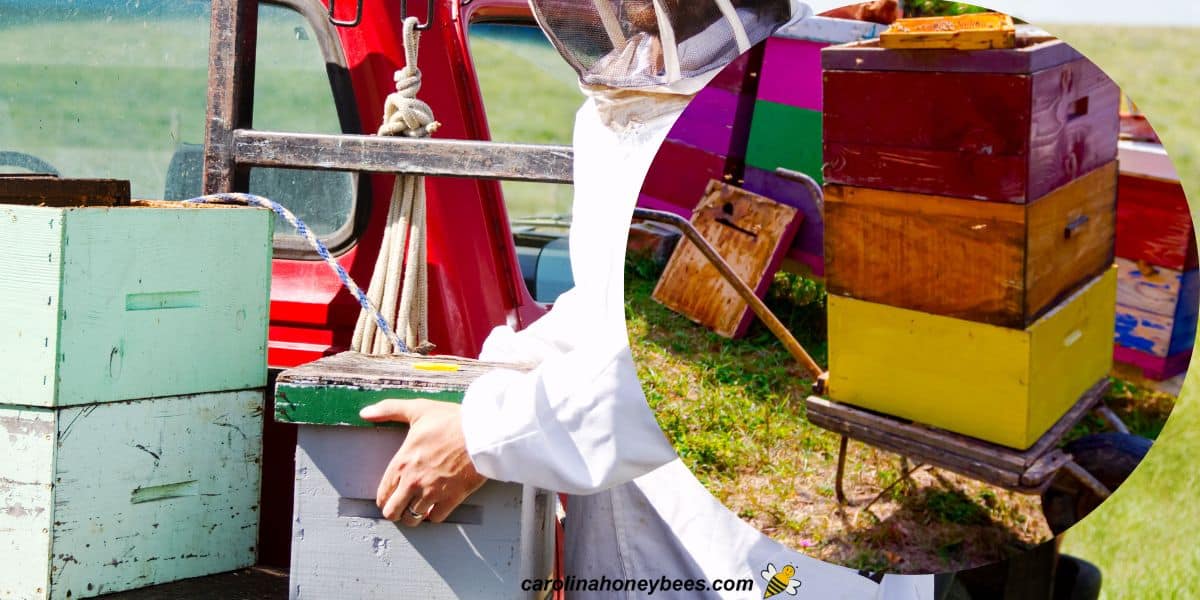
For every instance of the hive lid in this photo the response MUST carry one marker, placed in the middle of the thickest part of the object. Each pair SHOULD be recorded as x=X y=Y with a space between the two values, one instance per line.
x=331 y=390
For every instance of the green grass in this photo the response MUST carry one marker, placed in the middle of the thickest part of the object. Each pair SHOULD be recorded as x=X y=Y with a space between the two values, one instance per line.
x=531 y=96
x=1143 y=538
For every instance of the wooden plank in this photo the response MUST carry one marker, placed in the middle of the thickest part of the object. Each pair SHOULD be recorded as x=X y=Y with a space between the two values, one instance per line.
x=502 y=534
x=997 y=384
x=52 y=191
x=1154 y=224
x=417 y=156
x=974 y=449
x=786 y=137
x=26 y=500
x=752 y=233
x=1030 y=55
x=179 y=304
x=963 y=134
x=1149 y=288
x=233 y=34
x=918 y=450
x=935 y=254
x=1071 y=233
x=1074 y=124
x=30 y=301
x=331 y=390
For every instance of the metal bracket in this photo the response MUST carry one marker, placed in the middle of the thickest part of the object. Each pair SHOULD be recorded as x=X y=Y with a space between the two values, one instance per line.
x=358 y=10
x=428 y=14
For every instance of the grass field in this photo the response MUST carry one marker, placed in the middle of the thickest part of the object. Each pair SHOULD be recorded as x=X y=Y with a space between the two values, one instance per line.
x=1144 y=537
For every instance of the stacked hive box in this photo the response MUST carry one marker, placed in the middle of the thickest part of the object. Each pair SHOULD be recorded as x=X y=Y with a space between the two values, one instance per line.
x=785 y=132
x=969 y=233
x=343 y=547
x=707 y=142
x=133 y=361
x=1159 y=285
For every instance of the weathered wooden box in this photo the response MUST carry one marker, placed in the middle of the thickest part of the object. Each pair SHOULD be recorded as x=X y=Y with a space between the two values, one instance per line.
x=1154 y=224
x=1156 y=308
x=1002 y=385
x=104 y=304
x=1006 y=125
x=343 y=547
x=992 y=262
x=106 y=497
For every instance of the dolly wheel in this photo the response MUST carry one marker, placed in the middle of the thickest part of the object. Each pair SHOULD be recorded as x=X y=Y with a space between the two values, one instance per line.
x=1109 y=457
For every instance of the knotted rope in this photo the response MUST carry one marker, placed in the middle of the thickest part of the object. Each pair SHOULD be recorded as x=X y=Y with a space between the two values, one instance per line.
x=399 y=284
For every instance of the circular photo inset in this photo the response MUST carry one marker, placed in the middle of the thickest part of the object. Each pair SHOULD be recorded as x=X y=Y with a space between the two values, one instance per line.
x=912 y=295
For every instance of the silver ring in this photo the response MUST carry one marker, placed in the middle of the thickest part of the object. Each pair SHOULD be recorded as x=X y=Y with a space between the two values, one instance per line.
x=414 y=514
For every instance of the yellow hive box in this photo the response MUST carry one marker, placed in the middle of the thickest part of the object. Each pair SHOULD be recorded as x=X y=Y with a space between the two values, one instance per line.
x=1006 y=386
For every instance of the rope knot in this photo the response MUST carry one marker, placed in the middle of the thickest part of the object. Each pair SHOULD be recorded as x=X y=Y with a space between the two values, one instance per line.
x=403 y=113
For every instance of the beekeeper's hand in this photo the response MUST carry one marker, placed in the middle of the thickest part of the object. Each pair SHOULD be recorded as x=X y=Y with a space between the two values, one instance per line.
x=432 y=473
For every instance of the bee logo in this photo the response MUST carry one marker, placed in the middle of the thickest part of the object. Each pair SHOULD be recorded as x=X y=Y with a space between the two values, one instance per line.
x=780 y=581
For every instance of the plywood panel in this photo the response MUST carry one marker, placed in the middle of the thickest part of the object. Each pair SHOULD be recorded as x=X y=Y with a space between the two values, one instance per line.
x=1149 y=288
x=679 y=174
x=343 y=547
x=29 y=303
x=970 y=378
x=752 y=233
x=1030 y=55
x=1154 y=334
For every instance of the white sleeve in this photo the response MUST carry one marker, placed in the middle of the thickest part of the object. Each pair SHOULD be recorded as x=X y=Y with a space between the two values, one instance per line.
x=578 y=423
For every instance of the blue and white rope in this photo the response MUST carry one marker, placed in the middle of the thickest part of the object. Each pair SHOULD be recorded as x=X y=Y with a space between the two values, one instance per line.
x=304 y=231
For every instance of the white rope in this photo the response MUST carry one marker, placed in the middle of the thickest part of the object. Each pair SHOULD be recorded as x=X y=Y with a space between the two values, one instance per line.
x=400 y=280
x=735 y=22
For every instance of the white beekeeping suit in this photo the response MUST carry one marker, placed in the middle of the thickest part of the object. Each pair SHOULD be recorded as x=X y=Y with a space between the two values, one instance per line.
x=579 y=422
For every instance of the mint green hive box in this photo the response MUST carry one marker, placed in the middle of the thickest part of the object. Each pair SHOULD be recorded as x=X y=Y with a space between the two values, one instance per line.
x=105 y=304
x=132 y=372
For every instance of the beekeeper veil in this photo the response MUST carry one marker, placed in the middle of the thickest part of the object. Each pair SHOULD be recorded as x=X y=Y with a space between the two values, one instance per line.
x=663 y=44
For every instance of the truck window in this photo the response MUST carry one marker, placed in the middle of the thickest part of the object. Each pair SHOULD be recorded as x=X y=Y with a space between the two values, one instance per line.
x=117 y=89
x=530 y=95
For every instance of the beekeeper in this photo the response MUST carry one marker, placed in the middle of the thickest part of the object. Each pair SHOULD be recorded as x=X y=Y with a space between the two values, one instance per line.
x=579 y=422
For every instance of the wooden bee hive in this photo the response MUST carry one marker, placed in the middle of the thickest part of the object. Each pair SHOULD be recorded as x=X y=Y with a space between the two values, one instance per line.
x=343 y=547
